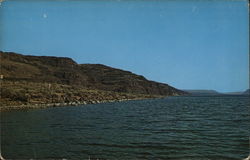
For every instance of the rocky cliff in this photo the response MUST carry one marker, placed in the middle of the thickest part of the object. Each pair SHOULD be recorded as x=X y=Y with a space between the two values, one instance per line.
x=64 y=71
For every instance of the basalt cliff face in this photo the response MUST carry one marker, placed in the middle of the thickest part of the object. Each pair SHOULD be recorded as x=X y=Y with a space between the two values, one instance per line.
x=17 y=68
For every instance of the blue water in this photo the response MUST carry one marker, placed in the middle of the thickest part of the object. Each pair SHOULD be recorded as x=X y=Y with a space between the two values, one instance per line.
x=171 y=128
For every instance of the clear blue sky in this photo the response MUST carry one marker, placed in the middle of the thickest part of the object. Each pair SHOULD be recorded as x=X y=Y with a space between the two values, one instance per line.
x=188 y=44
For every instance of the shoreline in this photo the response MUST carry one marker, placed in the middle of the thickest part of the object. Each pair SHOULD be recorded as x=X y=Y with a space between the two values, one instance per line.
x=63 y=104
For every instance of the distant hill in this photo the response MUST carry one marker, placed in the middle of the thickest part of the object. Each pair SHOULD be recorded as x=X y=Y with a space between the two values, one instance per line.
x=202 y=92
x=247 y=92
x=239 y=93
x=233 y=93
x=214 y=93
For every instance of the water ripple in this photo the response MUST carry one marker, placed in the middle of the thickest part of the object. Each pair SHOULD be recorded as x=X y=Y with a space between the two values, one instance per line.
x=195 y=128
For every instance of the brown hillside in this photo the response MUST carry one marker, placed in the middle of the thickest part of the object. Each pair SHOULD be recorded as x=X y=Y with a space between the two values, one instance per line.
x=61 y=70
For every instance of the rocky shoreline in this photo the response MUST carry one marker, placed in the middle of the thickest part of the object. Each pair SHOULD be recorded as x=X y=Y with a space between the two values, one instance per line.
x=29 y=95
x=70 y=104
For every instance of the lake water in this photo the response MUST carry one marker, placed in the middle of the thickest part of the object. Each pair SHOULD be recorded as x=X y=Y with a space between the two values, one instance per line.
x=194 y=128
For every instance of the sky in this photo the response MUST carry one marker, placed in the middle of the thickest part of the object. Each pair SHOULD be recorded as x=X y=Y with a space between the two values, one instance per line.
x=189 y=44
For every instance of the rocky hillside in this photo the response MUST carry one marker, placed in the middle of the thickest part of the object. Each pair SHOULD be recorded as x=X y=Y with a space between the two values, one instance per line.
x=62 y=70
x=30 y=80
